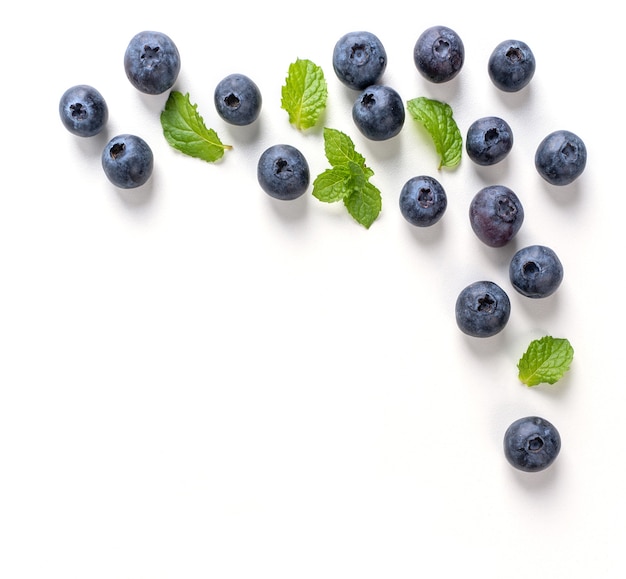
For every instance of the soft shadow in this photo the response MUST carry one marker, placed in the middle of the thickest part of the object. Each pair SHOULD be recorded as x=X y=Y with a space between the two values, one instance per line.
x=290 y=210
x=138 y=197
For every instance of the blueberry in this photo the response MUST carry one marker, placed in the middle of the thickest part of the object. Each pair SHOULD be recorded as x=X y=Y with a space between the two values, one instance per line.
x=439 y=54
x=511 y=65
x=489 y=140
x=83 y=110
x=238 y=100
x=536 y=271
x=561 y=157
x=496 y=215
x=423 y=201
x=378 y=112
x=482 y=309
x=127 y=161
x=531 y=444
x=283 y=172
x=152 y=62
x=359 y=59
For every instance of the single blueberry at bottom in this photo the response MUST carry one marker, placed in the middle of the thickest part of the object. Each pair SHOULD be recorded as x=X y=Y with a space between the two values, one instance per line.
x=536 y=271
x=378 y=112
x=482 y=309
x=496 y=215
x=283 y=172
x=561 y=157
x=423 y=201
x=83 y=110
x=531 y=444
x=127 y=161
x=237 y=99
x=489 y=140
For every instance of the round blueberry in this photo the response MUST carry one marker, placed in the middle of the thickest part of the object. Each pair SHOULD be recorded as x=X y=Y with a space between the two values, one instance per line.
x=489 y=140
x=482 y=309
x=152 y=62
x=423 y=201
x=561 y=157
x=127 y=161
x=378 y=112
x=531 y=444
x=496 y=215
x=536 y=271
x=359 y=59
x=238 y=99
x=439 y=54
x=283 y=172
x=83 y=110
x=511 y=65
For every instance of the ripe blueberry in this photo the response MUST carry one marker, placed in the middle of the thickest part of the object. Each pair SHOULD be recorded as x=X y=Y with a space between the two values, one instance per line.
x=482 y=309
x=83 y=110
x=152 y=62
x=283 y=172
x=423 y=201
x=535 y=271
x=489 y=140
x=127 y=161
x=561 y=157
x=439 y=54
x=237 y=99
x=359 y=59
x=531 y=444
x=496 y=215
x=378 y=112
x=511 y=65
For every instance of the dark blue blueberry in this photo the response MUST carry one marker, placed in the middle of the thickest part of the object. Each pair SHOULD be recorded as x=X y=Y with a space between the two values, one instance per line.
x=496 y=215
x=561 y=157
x=283 y=172
x=423 y=201
x=127 y=161
x=152 y=62
x=378 y=112
x=489 y=140
x=83 y=110
x=536 y=271
x=439 y=54
x=531 y=444
x=482 y=309
x=238 y=100
x=359 y=59
x=511 y=65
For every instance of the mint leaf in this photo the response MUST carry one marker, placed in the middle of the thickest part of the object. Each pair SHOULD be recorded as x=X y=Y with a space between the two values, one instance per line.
x=304 y=93
x=437 y=119
x=545 y=361
x=339 y=149
x=364 y=204
x=333 y=184
x=184 y=129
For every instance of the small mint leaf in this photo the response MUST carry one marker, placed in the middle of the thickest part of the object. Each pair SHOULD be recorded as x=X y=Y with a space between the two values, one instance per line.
x=332 y=185
x=304 y=93
x=545 y=361
x=364 y=204
x=339 y=149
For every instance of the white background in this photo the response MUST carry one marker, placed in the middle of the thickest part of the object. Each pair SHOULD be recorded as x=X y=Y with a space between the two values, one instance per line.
x=199 y=381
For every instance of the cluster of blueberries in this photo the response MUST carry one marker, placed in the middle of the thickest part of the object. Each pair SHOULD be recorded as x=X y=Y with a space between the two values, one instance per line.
x=152 y=64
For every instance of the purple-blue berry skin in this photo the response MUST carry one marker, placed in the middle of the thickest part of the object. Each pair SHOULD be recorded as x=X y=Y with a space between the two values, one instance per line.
x=423 y=201
x=482 y=309
x=531 y=444
x=359 y=59
x=489 y=140
x=536 y=271
x=378 y=112
x=496 y=215
x=152 y=62
x=127 y=161
x=511 y=65
x=238 y=100
x=439 y=54
x=83 y=110
x=283 y=172
x=561 y=157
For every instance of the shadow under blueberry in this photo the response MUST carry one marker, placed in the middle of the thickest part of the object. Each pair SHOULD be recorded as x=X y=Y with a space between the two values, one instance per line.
x=137 y=197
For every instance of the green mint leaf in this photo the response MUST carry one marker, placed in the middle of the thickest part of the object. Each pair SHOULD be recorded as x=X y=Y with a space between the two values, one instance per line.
x=339 y=149
x=333 y=184
x=437 y=119
x=364 y=204
x=545 y=361
x=304 y=93
x=184 y=129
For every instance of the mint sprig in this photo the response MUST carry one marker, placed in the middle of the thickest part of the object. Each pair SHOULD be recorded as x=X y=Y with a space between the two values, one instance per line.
x=304 y=93
x=185 y=131
x=348 y=179
x=438 y=120
x=545 y=361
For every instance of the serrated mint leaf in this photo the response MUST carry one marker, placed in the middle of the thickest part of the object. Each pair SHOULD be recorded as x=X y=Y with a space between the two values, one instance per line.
x=333 y=184
x=545 y=361
x=304 y=93
x=364 y=204
x=437 y=119
x=184 y=129
x=339 y=149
